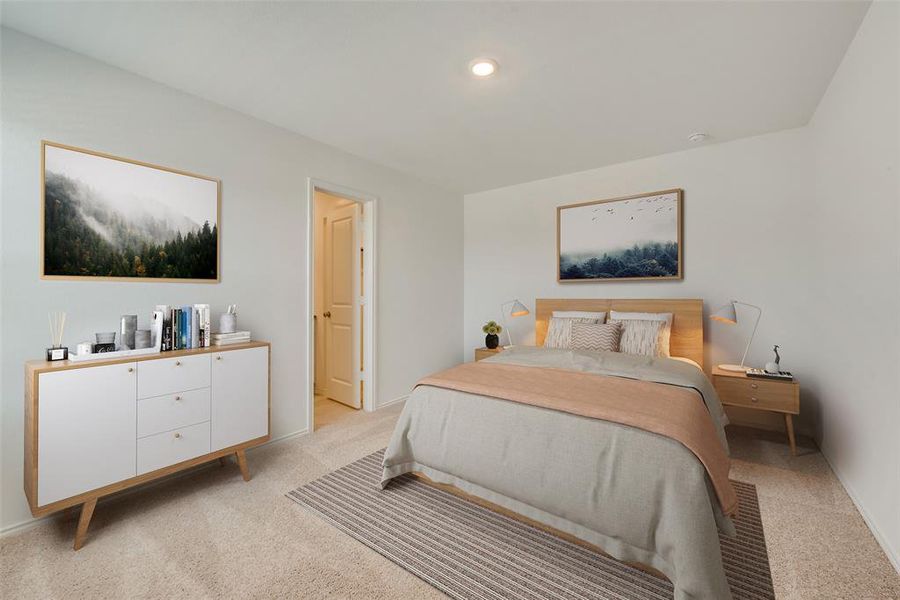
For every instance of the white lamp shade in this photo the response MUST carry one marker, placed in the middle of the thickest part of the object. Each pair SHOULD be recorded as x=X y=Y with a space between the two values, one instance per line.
x=725 y=314
x=518 y=309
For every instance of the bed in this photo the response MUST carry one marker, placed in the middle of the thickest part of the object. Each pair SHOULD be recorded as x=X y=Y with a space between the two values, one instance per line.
x=530 y=431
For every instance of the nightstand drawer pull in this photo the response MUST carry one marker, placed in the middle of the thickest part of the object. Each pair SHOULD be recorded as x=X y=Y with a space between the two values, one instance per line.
x=754 y=399
x=754 y=386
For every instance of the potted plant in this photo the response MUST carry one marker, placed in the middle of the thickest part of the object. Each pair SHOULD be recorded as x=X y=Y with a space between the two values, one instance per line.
x=492 y=339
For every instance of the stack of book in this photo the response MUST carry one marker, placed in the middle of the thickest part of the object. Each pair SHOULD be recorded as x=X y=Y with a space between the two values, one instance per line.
x=183 y=328
x=226 y=339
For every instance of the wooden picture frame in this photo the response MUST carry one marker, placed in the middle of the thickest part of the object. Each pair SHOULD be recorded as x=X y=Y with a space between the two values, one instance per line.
x=618 y=260
x=173 y=179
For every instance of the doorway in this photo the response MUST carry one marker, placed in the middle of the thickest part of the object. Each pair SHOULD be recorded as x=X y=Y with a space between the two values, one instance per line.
x=341 y=283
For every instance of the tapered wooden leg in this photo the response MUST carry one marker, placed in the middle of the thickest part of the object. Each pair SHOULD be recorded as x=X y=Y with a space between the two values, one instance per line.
x=87 y=511
x=242 y=464
x=789 y=425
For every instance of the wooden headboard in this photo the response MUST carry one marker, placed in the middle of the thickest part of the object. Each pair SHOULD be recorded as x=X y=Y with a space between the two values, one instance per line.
x=687 y=319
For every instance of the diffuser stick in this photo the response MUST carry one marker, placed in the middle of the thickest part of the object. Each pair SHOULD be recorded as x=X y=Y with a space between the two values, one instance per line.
x=57 y=326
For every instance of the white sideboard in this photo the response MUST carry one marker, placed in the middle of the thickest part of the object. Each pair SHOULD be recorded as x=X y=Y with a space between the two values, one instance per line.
x=92 y=429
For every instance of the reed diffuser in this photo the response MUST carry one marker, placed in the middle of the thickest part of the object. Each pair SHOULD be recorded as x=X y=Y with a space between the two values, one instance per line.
x=57 y=325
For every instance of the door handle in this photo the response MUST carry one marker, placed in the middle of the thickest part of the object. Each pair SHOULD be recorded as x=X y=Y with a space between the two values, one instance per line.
x=327 y=314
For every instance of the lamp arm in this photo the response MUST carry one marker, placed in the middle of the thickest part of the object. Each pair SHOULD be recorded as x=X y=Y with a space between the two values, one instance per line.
x=755 y=325
x=503 y=319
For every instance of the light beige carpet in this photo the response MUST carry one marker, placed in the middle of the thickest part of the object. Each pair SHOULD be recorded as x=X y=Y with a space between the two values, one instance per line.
x=211 y=535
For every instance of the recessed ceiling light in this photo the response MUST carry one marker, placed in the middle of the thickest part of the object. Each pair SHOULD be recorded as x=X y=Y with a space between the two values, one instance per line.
x=698 y=137
x=483 y=67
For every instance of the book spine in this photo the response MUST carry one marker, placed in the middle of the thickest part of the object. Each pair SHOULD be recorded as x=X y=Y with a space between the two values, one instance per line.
x=159 y=319
x=176 y=324
x=173 y=333
x=185 y=327
x=195 y=328
x=167 y=331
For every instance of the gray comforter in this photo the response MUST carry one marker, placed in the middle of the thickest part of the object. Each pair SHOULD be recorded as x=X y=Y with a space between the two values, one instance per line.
x=637 y=495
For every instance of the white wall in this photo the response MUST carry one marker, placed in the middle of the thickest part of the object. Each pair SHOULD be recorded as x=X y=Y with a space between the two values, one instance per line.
x=804 y=222
x=50 y=93
x=855 y=136
x=746 y=208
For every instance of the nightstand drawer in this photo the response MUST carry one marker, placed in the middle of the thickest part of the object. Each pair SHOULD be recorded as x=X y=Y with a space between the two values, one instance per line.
x=756 y=393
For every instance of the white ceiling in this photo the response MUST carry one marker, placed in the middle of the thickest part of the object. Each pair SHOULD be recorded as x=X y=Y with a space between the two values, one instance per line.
x=580 y=85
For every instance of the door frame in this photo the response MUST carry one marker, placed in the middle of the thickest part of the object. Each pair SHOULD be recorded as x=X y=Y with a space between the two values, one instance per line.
x=368 y=227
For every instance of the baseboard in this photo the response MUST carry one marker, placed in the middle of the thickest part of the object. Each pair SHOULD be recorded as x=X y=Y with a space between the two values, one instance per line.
x=879 y=537
x=394 y=401
x=28 y=523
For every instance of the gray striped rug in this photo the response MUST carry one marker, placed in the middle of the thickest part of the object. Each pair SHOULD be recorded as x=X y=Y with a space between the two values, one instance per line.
x=470 y=552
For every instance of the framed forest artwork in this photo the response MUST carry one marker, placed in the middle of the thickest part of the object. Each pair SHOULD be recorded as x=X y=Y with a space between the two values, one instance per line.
x=113 y=218
x=621 y=239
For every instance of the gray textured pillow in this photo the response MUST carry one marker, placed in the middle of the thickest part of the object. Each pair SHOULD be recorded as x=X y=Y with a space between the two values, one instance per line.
x=640 y=337
x=559 y=332
x=602 y=337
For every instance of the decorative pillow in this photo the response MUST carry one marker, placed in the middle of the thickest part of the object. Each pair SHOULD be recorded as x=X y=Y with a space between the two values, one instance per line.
x=664 y=334
x=599 y=317
x=559 y=332
x=640 y=337
x=599 y=336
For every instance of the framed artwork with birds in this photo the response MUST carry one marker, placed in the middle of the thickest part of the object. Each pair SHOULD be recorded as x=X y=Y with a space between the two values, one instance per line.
x=621 y=239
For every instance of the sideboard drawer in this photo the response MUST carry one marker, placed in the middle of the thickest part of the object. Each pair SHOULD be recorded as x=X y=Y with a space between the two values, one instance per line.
x=172 y=447
x=171 y=375
x=162 y=413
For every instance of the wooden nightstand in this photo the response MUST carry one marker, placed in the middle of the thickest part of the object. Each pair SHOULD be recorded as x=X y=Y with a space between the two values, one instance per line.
x=736 y=389
x=481 y=353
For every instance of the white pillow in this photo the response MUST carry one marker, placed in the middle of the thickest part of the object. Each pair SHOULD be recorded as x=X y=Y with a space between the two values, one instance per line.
x=665 y=333
x=640 y=336
x=559 y=331
x=600 y=317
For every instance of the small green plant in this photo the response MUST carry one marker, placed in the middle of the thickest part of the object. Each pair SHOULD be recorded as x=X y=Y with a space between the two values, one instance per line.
x=492 y=328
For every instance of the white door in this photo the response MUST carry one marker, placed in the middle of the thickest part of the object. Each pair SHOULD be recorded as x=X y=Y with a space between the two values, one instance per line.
x=88 y=428
x=342 y=271
x=239 y=399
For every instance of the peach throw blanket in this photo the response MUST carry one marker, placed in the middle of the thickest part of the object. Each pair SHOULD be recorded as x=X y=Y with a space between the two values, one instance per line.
x=671 y=411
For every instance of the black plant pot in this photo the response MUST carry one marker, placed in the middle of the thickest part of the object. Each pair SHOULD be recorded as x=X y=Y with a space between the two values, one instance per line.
x=491 y=340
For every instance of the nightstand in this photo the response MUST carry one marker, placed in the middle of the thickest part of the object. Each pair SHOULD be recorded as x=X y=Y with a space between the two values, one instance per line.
x=482 y=353
x=736 y=389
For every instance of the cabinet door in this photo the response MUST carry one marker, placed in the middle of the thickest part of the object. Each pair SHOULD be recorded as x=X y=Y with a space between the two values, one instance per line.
x=240 y=396
x=87 y=429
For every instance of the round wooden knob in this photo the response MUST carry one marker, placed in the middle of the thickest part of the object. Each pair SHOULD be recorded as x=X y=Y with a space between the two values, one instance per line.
x=754 y=386
x=177 y=435
x=754 y=399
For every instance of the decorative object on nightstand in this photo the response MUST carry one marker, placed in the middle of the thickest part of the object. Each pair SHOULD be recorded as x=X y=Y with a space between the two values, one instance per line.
x=728 y=314
x=492 y=339
x=482 y=353
x=774 y=367
x=774 y=395
x=517 y=309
